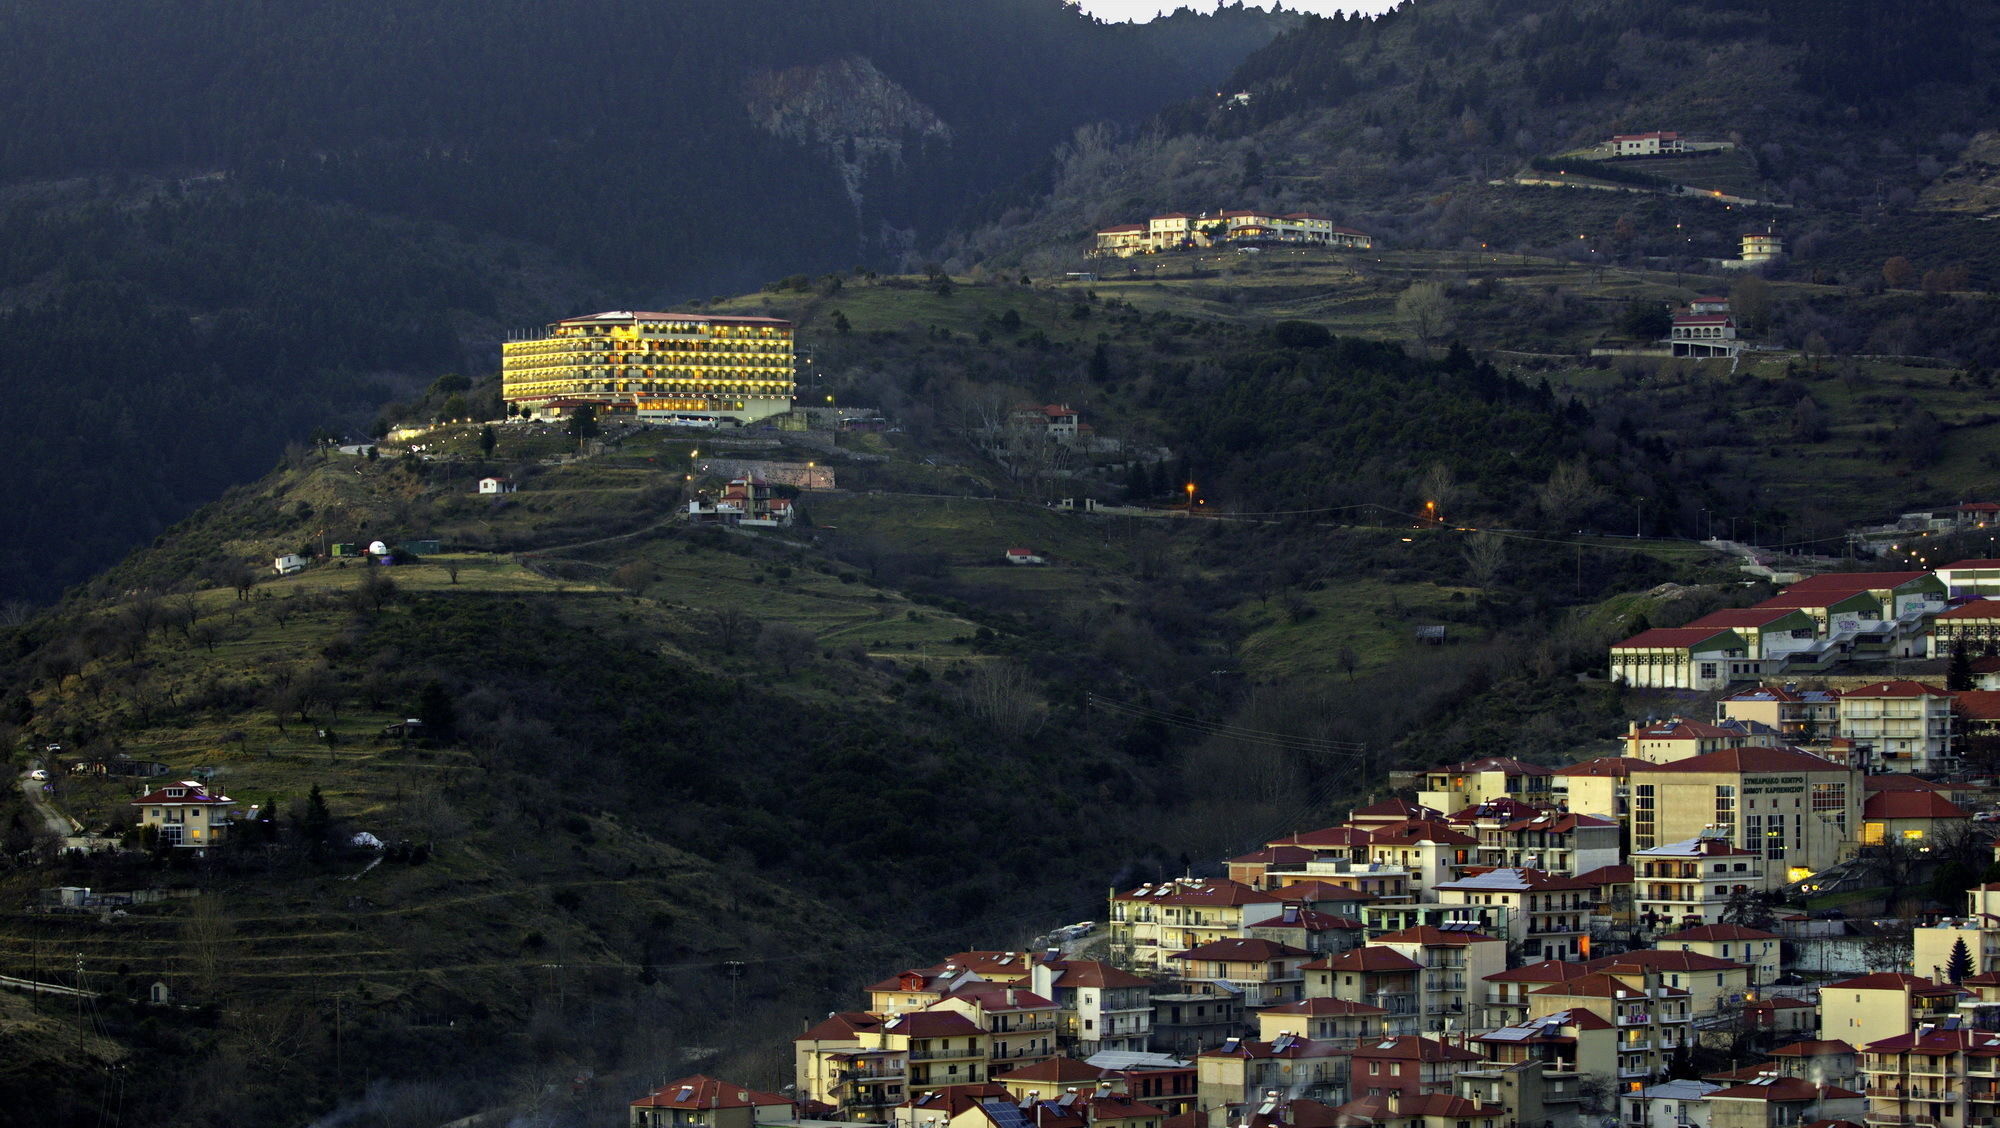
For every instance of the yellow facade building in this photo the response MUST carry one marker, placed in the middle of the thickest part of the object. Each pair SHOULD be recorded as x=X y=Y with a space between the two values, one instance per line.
x=654 y=365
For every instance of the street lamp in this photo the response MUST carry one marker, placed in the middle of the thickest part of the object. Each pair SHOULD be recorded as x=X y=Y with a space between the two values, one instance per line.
x=1190 y=492
x=1431 y=512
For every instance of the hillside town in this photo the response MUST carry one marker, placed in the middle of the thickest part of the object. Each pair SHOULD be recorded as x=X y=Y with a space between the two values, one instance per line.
x=1758 y=918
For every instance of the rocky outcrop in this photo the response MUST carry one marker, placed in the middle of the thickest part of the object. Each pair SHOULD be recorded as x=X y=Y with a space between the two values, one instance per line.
x=849 y=110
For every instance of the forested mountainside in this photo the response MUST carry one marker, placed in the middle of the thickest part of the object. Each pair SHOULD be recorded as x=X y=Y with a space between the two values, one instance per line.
x=224 y=225
x=687 y=146
x=1406 y=124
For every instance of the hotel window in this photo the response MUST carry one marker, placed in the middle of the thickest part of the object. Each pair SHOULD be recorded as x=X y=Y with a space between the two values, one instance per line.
x=1725 y=805
x=1642 y=816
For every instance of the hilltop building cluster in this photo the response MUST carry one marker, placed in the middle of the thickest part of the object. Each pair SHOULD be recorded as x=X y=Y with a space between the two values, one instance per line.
x=1819 y=623
x=1177 y=231
x=655 y=367
x=1514 y=945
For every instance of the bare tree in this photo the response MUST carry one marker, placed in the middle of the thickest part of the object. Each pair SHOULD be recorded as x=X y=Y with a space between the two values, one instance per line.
x=1485 y=554
x=1569 y=492
x=1002 y=695
x=1439 y=487
x=633 y=577
x=204 y=936
x=786 y=645
x=729 y=626
x=1425 y=310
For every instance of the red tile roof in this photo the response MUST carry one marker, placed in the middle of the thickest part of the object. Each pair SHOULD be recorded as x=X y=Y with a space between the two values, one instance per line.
x=1060 y=1070
x=1433 y=937
x=1273 y=854
x=1595 y=984
x=1238 y=949
x=1977 y=609
x=1978 y=704
x=1330 y=836
x=1366 y=958
x=1743 y=617
x=1911 y=805
x=1975 y=564
x=1896 y=689
x=1668 y=638
x=845 y=1026
x=1855 y=581
x=1095 y=973
x=648 y=315
x=1714 y=932
x=1493 y=764
x=1413 y=1047
x=1753 y=760
x=1412 y=831
x=1316 y=890
x=1213 y=891
x=1896 y=781
x=1325 y=1008
x=193 y=792
x=931 y=1024
x=1395 y=808
x=1653 y=959
x=1543 y=971
x=1893 y=981
x=1813 y=1049
x=1311 y=920
x=1805 y=599
x=1783 y=1089
x=1616 y=766
x=701 y=1091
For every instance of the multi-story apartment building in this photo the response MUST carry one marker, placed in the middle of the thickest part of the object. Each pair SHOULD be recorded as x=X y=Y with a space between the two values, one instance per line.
x=1020 y=1025
x=1241 y=1070
x=1408 y=1066
x=943 y=1047
x=1152 y=922
x=1800 y=716
x=1679 y=1103
x=1571 y=1046
x=1328 y=1020
x=1975 y=624
x=1468 y=784
x=1663 y=742
x=1690 y=883
x=1549 y=916
x=1506 y=999
x=1429 y=850
x=844 y=1062
x=1322 y=934
x=1259 y=972
x=1556 y=842
x=1101 y=1007
x=1651 y=1021
x=1883 y=1004
x=1712 y=984
x=663 y=365
x=1781 y=1102
x=1455 y=962
x=1932 y=1078
x=1733 y=942
x=1379 y=977
x=1906 y=725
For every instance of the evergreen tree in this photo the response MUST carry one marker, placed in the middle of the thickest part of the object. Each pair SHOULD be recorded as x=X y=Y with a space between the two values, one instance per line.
x=436 y=709
x=583 y=424
x=488 y=440
x=1958 y=677
x=317 y=822
x=1958 y=964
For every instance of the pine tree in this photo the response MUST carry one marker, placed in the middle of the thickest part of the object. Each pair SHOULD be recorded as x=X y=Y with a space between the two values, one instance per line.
x=1958 y=964
x=488 y=440
x=1958 y=677
x=318 y=820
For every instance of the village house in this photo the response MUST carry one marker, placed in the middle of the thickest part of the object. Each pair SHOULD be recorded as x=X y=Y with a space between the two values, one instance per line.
x=1456 y=959
x=1020 y=1025
x=1651 y=144
x=1473 y=782
x=1429 y=850
x=186 y=815
x=1799 y=715
x=1782 y=1102
x=1645 y=1022
x=1567 y=844
x=1408 y=1066
x=1241 y=1070
x=704 y=1102
x=1933 y=1076
x=1150 y=923
x=1548 y=916
x=1102 y=1007
x=497 y=485
x=1259 y=972
x=1332 y=1021
x=1909 y=815
x=844 y=1063
x=1883 y=1004
x=1704 y=335
x=1382 y=978
x=1692 y=882
x=1315 y=932
x=1731 y=942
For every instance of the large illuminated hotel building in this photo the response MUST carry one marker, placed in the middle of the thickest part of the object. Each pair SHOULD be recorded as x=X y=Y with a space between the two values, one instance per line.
x=655 y=365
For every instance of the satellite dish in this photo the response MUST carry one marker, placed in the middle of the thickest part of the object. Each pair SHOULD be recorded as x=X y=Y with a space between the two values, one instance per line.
x=377 y=548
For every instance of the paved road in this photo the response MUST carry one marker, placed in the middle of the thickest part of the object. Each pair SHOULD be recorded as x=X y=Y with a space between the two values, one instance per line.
x=52 y=819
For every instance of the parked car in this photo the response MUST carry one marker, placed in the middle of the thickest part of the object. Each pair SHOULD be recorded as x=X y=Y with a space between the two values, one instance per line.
x=38 y=773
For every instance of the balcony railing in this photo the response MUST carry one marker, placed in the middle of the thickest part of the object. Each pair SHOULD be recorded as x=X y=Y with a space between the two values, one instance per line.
x=941 y=1055
x=1022 y=1027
